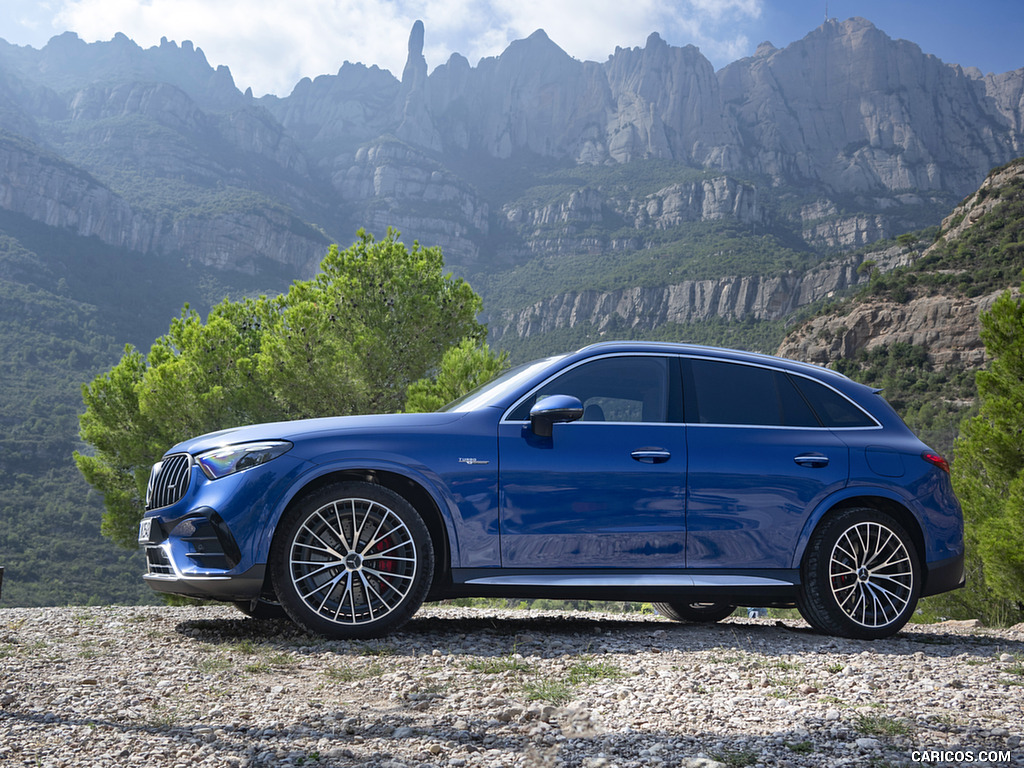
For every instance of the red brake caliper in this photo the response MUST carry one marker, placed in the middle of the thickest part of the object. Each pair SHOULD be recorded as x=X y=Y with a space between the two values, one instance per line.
x=384 y=565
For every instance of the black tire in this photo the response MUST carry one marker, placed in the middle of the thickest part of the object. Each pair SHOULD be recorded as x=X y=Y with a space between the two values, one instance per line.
x=352 y=560
x=695 y=613
x=263 y=608
x=861 y=576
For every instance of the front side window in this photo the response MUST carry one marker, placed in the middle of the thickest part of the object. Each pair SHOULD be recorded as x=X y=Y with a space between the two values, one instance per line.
x=618 y=389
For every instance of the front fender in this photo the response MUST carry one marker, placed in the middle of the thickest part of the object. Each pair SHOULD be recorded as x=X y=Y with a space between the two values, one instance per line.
x=315 y=473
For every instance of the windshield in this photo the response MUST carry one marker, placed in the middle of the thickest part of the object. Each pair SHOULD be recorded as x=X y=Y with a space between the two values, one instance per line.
x=495 y=389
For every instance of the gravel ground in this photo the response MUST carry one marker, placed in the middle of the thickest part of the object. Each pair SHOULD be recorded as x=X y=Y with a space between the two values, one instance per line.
x=166 y=687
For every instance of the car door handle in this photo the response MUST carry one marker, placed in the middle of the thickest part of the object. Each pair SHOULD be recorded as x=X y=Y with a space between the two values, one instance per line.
x=811 y=460
x=651 y=455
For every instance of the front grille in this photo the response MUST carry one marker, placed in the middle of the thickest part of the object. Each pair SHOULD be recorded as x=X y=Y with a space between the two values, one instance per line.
x=168 y=481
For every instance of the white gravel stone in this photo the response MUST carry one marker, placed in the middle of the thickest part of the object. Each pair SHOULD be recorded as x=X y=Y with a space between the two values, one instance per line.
x=163 y=687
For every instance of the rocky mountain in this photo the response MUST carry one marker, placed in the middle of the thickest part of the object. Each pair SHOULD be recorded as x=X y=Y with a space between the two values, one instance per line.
x=647 y=195
x=838 y=140
x=935 y=300
x=753 y=297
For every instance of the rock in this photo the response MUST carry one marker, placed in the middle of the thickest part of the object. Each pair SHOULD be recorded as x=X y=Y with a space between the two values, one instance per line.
x=963 y=623
x=947 y=327
x=701 y=762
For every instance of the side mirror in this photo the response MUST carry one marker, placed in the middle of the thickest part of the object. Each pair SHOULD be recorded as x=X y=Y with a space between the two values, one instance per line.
x=556 y=409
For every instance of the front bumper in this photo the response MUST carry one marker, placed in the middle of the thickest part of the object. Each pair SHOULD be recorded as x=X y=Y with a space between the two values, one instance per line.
x=235 y=588
x=195 y=555
x=209 y=538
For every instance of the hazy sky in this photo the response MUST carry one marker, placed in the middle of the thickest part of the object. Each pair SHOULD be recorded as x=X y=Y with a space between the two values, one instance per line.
x=270 y=45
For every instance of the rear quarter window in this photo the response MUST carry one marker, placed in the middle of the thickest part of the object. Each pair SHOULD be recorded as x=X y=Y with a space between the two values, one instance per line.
x=833 y=409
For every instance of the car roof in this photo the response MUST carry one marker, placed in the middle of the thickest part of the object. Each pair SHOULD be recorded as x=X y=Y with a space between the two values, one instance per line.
x=699 y=350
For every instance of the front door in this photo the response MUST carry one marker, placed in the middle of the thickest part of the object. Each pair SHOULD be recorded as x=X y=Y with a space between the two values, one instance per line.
x=607 y=491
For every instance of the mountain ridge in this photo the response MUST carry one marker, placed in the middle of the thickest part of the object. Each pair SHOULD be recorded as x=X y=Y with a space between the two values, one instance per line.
x=849 y=136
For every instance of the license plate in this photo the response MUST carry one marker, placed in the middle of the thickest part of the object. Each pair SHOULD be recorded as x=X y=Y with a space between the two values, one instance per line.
x=145 y=530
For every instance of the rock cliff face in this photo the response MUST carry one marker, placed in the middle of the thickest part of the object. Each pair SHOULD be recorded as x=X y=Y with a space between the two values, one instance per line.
x=46 y=189
x=693 y=301
x=846 y=108
x=946 y=326
x=709 y=200
x=851 y=109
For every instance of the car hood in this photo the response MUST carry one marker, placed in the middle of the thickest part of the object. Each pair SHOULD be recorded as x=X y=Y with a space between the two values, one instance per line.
x=306 y=428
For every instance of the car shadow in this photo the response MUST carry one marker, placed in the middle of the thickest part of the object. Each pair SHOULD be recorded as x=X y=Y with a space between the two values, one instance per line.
x=552 y=634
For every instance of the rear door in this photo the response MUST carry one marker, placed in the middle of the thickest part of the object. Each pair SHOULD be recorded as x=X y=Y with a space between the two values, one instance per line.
x=759 y=462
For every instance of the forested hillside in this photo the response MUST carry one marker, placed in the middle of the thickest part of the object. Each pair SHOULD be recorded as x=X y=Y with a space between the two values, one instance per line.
x=914 y=330
x=68 y=305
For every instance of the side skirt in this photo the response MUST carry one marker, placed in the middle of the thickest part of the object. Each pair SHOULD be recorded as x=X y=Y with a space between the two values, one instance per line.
x=743 y=587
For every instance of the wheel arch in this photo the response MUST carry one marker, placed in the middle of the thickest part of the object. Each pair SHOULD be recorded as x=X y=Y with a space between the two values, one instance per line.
x=891 y=506
x=409 y=489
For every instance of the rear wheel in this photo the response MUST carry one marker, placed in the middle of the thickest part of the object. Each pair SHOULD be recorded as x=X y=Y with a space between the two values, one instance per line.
x=352 y=560
x=861 y=576
x=699 y=613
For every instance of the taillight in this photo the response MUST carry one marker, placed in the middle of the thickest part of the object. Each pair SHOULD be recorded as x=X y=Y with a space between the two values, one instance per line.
x=936 y=460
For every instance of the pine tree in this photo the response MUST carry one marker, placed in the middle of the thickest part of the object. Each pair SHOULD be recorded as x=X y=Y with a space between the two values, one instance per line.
x=988 y=472
x=377 y=318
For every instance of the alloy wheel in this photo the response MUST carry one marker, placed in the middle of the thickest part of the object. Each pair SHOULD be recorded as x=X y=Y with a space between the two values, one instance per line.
x=352 y=561
x=871 y=574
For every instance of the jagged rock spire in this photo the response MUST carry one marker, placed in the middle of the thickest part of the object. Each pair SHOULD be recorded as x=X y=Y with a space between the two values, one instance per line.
x=415 y=72
x=415 y=122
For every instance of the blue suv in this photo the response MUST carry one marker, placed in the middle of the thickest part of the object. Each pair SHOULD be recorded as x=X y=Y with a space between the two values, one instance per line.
x=695 y=478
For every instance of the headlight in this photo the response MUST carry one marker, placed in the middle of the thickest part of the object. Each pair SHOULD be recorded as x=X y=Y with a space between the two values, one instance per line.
x=234 y=458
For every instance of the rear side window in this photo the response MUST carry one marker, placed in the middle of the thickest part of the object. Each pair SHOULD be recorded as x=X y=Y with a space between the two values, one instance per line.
x=833 y=409
x=733 y=393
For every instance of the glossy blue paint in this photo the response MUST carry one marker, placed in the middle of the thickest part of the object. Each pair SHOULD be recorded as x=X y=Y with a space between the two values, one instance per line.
x=748 y=498
x=580 y=500
x=631 y=496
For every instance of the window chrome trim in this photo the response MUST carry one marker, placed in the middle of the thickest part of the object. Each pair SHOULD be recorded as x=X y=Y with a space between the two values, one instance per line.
x=775 y=426
x=710 y=358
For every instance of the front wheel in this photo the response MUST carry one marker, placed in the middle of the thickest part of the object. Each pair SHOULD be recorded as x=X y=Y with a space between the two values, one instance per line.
x=861 y=576
x=352 y=560
x=698 y=613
